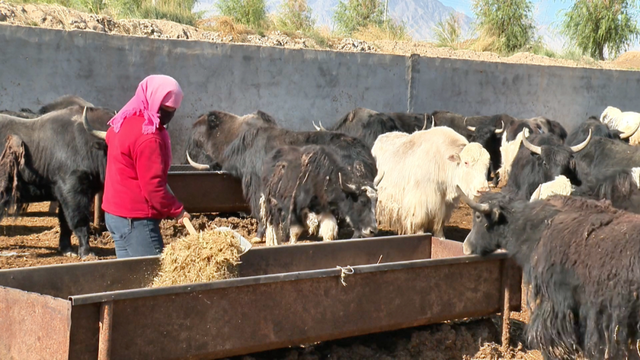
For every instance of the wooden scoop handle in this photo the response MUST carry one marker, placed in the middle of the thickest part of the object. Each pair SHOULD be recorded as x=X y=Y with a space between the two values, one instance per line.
x=189 y=226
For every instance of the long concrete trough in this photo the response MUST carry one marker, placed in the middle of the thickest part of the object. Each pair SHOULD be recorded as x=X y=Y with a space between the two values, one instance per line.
x=284 y=296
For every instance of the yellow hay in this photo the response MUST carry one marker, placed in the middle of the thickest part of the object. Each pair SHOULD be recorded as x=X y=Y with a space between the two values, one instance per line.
x=207 y=256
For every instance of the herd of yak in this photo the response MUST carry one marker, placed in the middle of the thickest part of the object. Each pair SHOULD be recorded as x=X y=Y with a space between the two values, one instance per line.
x=566 y=211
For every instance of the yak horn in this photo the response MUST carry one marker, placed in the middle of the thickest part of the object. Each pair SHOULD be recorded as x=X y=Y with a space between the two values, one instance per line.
x=322 y=127
x=315 y=126
x=99 y=134
x=472 y=128
x=481 y=208
x=628 y=134
x=533 y=148
x=426 y=119
x=378 y=180
x=499 y=131
x=195 y=164
x=345 y=187
x=582 y=145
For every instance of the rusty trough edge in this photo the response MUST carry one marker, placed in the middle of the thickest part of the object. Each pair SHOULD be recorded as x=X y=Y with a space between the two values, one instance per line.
x=106 y=329
x=265 y=279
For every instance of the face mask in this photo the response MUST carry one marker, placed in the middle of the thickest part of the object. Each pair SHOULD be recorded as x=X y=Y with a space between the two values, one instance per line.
x=166 y=116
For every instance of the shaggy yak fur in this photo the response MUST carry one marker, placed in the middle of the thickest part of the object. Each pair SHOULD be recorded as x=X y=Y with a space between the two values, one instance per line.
x=421 y=171
x=620 y=186
x=57 y=160
x=245 y=157
x=367 y=125
x=214 y=131
x=299 y=182
x=581 y=259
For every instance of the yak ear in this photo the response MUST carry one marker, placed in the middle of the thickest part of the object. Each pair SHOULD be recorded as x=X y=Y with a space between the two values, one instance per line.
x=454 y=158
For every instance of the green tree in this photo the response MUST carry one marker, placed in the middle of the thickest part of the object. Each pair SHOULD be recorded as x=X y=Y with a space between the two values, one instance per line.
x=509 y=21
x=295 y=15
x=251 y=13
x=594 y=26
x=351 y=15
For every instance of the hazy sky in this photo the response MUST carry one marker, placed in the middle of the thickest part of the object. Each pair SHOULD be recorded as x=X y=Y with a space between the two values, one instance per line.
x=545 y=11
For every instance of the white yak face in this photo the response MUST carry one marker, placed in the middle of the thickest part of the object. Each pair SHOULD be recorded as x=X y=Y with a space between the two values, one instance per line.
x=471 y=172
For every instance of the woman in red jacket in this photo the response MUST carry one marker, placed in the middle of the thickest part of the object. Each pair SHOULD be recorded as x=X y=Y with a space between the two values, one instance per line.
x=136 y=197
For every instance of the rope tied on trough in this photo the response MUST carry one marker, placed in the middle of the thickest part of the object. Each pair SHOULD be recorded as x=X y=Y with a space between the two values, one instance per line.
x=348 y=270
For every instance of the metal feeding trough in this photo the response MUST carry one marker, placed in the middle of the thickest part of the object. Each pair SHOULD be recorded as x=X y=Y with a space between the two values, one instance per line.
x=284 y=296
x=207 y=191
x=200 y=191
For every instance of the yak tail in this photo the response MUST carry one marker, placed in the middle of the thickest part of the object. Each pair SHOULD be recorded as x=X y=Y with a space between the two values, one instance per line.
x=12 y=161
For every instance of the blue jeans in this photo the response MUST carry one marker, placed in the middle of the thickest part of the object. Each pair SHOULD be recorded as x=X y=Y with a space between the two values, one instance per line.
x=134 y=237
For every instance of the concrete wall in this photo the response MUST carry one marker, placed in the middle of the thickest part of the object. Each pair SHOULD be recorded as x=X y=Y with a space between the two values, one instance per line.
x=295 y=86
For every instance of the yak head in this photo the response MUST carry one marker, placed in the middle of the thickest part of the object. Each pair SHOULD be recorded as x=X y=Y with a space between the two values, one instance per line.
x=472 y=164
x=486 y=134
x=555 y=159
x=484 y=237
x=359 y=205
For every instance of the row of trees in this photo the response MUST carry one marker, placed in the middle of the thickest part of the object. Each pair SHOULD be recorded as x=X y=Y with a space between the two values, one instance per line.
x=597 y=28
x=295 y=15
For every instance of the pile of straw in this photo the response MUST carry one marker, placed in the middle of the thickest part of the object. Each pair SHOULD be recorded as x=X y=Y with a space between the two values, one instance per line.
x=208 y=256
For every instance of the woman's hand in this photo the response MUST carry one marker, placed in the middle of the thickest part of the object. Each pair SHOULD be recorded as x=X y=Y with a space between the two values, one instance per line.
x=183 y=215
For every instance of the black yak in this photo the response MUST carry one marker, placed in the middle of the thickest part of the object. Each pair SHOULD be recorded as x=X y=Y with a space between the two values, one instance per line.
x=581 y=259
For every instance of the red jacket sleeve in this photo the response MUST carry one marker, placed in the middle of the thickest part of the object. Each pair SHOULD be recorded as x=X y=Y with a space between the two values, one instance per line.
x=152 y=176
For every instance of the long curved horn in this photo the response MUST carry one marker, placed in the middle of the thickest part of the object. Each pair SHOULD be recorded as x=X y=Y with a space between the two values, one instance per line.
x=195 y=164
x=85 y=121
x=499 y=131
x=344 y=186
x=481 y=208
x=472 y=128
x=426 y=119
x=628 y=134
x=582 y=145
x=533 y=148
x=322 y=127
x=315 y=126
x=378 y=180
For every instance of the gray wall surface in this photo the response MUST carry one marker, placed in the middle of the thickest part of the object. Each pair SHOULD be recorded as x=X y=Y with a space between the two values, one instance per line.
x=295 y=86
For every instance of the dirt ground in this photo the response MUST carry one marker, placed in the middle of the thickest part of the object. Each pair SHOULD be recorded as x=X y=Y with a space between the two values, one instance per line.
x=32 y=240
x=58 y=17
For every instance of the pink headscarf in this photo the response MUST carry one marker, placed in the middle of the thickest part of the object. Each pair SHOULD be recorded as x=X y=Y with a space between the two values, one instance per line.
x=153 y=91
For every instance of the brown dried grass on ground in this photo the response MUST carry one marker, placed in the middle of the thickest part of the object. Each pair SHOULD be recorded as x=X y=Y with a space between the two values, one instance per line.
x=208 y=256
x=225 y=25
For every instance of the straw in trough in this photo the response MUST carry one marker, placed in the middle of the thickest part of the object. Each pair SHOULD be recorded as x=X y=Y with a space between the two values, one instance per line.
x=207 y=256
